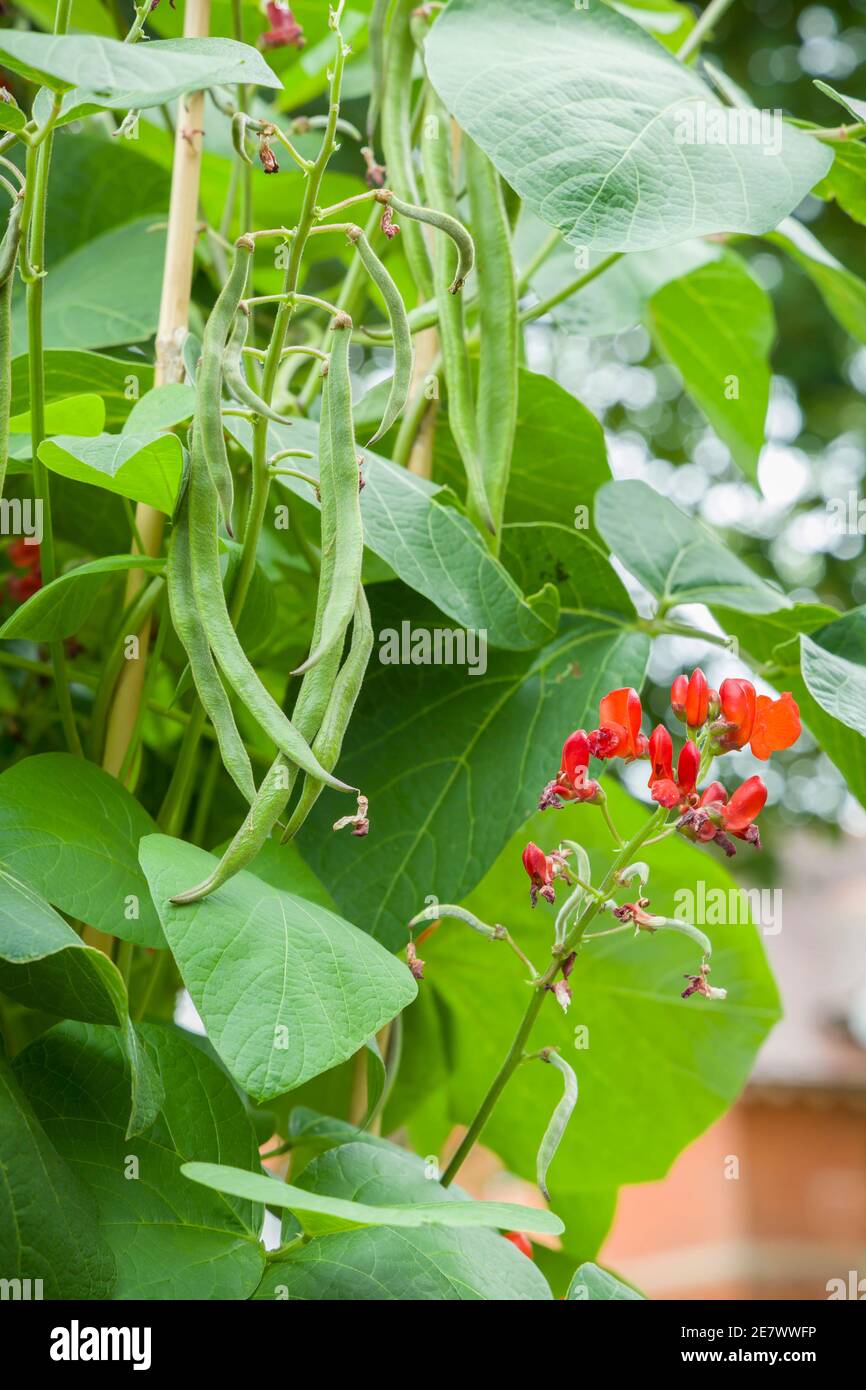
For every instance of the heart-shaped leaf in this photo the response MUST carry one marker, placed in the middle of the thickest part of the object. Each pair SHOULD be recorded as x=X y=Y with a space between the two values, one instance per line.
x=285 y=988
x=145 y=468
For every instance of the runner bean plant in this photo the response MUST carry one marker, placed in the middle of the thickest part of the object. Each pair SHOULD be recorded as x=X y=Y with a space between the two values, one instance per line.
x=277 y=458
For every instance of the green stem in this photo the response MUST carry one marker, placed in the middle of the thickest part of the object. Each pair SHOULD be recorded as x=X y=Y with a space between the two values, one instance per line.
x=605 y=811
x=711 y=15
x=516 y=1050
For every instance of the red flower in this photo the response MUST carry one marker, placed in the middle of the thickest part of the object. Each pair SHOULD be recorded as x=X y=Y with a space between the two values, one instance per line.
x=766 y=725
x=699 y=984
x=618 y=734
x=744 y=807
x=715 y=817
x=572 y=784
x=777 y=725
x=23 y=554
x=522 y=1242
x=665 y=790
x=285 y=31
x=541 y=870
x=690 y=698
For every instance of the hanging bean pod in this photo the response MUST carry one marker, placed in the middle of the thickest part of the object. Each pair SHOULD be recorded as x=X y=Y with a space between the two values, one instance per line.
x=209 y=423
x=400 y=332
x=233 y=371
x=558 y=1120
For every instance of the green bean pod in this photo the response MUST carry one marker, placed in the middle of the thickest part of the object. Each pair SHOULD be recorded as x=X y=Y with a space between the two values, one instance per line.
x=209 y=422
x=276 y=787
x=346 y=689
x=348 y=542
x=188 y=626
x=402 y=336
x=452 y=334
x=233 y=372
x=498 y=323
x=558 y=1120
x=400 y=54
x=8 y=256
x=228 y=652
x=434 y=217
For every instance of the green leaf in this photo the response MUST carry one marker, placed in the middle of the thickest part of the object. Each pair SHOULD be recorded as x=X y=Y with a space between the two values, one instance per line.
x=593 y=124
x=48 y=1220
x=321 y=1213
x=171 y=1239
x=285 y=988
x=161 y=408
x=71 y=831
x=119 y=383
x=109 y=73
x=674 y=556
x=46 y=965
x=457 y=763
x=121 y=184
x=668 y=20
x=843 y=292
x=145 y=468
x=716 y=325
x=83 y=414
x=845 y=181
x=835 y=682
x=654 y=1070
x=434 y=548
x=389 y=1263
x=595 y=1284
x=539 y=553
x=104 y=293
x=62 y=607
x=11 y=116
x=855 y=108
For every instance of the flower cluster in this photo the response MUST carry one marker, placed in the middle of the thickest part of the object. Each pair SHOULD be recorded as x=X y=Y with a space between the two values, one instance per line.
x=717 y=722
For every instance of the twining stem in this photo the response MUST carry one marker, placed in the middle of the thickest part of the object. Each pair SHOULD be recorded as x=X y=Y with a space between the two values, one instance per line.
x=515 y=1052
x=711 y=15
x=38 y=163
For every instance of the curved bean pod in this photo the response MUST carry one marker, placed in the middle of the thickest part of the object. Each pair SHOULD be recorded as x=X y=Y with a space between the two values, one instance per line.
x=209 y=423
x=403 y=351
x=443 y=221
x=558 y=1120
x=498 y=323
x=233 y=372
x=227 y=650
x=346 y=689
x=188 y=626
x=436 y=152
x=348 y=541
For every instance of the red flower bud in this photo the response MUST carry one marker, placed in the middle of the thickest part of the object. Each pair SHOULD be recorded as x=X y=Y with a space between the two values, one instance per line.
x=541 y=870
x=285 y=31
x=575 y=754
x=679 y=693
x=661 y=752
x=521 y=1242
x=688 y=767
x=697 y=700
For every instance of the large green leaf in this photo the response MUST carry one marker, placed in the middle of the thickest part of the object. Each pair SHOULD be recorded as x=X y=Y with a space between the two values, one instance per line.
x=62 y=607
x=716 y=325
x=104 y=293
x=144 y=467
x=170 y=1237
x=121 y=183
x=71 y=831
x=654 y=1069
x=384 y=1263
x=48 y=1221
x=84 y=414
x=543 y=552
x=285 y=988
x=453 y=765
x=321 y=1212
x=109 y=73
x=845 y=178
x=435 y=549
x=674 y=556
x=67 y=373
x=590 y=120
